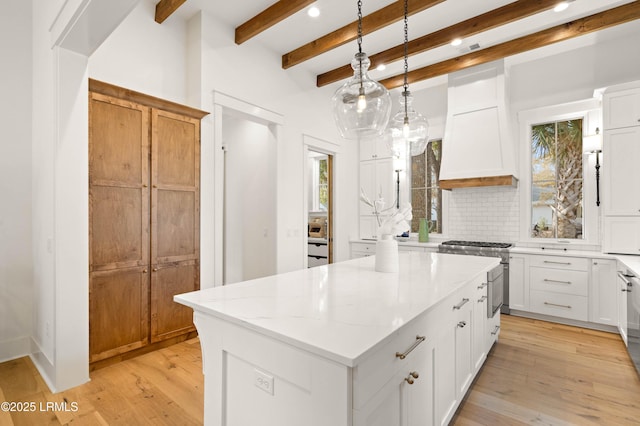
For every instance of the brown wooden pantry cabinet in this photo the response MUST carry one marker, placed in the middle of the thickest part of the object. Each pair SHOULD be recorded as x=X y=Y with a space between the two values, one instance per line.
x=144 y=219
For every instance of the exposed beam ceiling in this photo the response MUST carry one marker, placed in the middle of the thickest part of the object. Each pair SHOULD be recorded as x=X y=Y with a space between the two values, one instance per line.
x=268 y=18
x=164 y=9
x=486 y=21
x=578 y=27
x=370 y=23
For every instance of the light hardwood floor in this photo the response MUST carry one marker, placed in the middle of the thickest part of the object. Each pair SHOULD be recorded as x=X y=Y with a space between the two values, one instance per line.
x=538 y=373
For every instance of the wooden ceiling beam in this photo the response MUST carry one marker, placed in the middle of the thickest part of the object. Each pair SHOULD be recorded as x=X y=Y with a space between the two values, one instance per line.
x=489 y=20
x=164 y=9
x=269 y=17
x=599 y=21
x=370 y=23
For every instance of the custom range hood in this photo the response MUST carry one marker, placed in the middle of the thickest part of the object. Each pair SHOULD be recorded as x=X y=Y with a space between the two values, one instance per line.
x=478 y=147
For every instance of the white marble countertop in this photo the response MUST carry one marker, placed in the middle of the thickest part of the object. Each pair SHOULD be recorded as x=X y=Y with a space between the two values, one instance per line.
x=630 y=261
x=343 y=310
x=560 y=252
x=411 y=243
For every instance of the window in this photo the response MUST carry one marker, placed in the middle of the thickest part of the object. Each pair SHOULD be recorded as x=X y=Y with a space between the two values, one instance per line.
x=426 y=195
x=557 y=177
x=320 y=183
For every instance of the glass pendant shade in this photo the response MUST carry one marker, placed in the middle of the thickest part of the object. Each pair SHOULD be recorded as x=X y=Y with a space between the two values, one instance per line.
x=408 y=127
x=361 y=107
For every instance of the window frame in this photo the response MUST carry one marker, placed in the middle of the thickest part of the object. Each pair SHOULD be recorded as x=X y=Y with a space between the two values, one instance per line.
x=315 y=183
x=590 y=112
x=445 y=193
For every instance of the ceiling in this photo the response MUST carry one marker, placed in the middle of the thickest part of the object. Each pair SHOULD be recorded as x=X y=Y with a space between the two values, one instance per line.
x=541 y=27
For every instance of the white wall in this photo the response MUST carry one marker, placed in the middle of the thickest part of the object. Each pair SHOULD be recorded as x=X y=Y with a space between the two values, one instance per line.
x=16 y=284
x=254 y=75
x=250 y=200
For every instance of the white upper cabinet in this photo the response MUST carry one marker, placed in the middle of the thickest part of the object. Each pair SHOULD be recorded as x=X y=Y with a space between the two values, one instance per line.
x=622 y=109
x=621 y=174
x=621 y=235
x=372 y=149
x=621 y=177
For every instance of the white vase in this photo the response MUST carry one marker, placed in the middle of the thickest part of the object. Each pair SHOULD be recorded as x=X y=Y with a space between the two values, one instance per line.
x=387 y=254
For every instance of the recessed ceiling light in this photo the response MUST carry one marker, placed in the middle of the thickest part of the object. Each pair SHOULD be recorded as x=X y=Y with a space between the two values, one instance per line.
x=561 y=6
x=456 y=42
x=313 y=11
x=381 y=67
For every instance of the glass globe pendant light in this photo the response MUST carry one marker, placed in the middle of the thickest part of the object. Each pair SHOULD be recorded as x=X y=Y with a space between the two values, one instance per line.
x=408 y=126
x=361 y=107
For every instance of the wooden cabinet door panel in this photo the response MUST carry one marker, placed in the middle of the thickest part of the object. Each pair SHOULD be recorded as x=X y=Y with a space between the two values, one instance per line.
x=169 y=318
x=118 y=312
x=175 y=230
x=118 y=183
x=119 y=227
x=176 y=149
x=175 y=178
x=118 y=141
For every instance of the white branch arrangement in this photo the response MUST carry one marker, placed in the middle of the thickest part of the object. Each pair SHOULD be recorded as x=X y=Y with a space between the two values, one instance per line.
x=391 y=221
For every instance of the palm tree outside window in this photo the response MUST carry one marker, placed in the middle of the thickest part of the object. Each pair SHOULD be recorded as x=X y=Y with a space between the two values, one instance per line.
x=426 y=195
x=557 y=180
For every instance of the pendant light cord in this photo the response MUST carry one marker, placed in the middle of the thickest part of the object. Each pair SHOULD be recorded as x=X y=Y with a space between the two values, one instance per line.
x=359 y=26
x=406 y=58
x=360 y=43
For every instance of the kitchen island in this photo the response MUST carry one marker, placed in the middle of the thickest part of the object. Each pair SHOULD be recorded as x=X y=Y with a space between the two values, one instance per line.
x=342 y=344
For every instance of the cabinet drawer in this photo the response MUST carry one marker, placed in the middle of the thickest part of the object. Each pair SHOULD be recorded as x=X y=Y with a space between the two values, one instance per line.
x=317 y=249
x=410 y=248
x=561 y=262
x=316 y=261
x=559 y=281
x=373 y=372
x=560 y=305
x=364 y=247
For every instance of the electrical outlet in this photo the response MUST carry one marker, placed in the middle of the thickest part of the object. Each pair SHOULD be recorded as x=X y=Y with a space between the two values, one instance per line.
x=263 y=381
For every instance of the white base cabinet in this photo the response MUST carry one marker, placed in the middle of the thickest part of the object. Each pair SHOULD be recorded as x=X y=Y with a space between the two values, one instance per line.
x=622 y=306
x=519 y=282
x=603 y=303
x=574 y=288
x=416 y=378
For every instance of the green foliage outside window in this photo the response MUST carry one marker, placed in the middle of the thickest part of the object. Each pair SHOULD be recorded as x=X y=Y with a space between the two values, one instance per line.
x=557 y=180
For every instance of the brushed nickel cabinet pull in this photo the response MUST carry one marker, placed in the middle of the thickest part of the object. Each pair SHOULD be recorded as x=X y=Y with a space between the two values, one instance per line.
x=557 y=263
x=461 y=304
x=556 y=281
x=403 y=355
x=555 y=304
x=411 y=377
x=481 y=286
x=461 y=324
x=482 y=299
x=495 y=330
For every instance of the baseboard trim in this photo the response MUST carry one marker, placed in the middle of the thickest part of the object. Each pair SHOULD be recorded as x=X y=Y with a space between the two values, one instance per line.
x=96 y=365
x=565 y=321
x=44 y=365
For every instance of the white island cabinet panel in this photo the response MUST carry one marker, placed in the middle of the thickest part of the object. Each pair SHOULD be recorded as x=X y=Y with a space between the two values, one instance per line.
x=323 y=346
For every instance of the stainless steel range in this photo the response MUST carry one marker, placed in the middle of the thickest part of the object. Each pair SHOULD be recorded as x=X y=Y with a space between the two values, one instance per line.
x=497 y=295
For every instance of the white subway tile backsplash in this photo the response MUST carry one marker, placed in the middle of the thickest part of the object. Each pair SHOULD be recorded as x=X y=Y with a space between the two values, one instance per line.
x=484 y=214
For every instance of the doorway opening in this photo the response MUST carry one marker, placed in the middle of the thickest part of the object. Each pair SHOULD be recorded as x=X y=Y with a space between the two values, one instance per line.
x=249 y=216
x=319 y=190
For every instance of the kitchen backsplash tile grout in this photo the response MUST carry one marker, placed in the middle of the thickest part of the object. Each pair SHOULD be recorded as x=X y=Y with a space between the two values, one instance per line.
x=484 y=214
